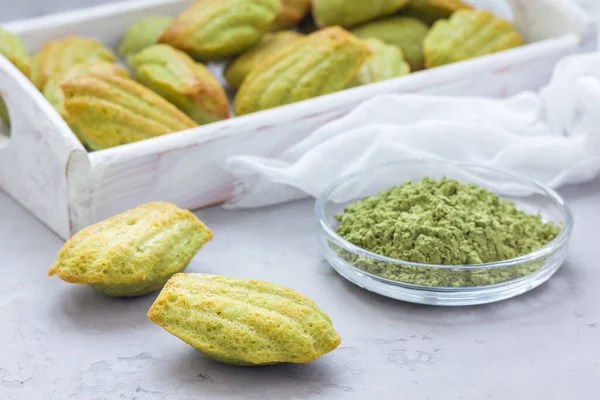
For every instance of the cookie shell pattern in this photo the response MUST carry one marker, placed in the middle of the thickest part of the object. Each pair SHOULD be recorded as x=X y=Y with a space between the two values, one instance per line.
x=143 y=33
x=185 y=83
x=57 y=56
x=132 y=253
x=404 y=32
x=244 y=322
x=350 y=13
x=55 y=96
x=110 y=110
x=320 y=63
x=213 y=29
x=386 y=62
x=430 y=11
x=269 y=44
x=468 y=34
x=290 y=13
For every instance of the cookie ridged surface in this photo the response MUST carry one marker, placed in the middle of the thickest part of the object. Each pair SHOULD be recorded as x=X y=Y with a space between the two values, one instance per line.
x=143 y=33
x=468 y=34
x=349 y=13
x=430 y=11
x=57 y=56
x=110 y=110
x=404 y=32
x=132 y=253
x=212 y=29
x=269 y=44
x=320 y=63
x=179 y=79
x=290 y=13
x=243 y=322
x=386 y=62
x=55 y=95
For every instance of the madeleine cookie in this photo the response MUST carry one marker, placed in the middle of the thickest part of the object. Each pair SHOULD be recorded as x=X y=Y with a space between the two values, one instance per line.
x=179 y=79
x=350 y=13
x=132 y=253
x=213 y=29
x=55 y=95
x=404 y=32
x=323 y=62
x=430 y=11
x=143 y=33
x=57 y=56
x=108 y=111
x=244 y=322
x=468 y=34
x=269 y=44
x=386 y=62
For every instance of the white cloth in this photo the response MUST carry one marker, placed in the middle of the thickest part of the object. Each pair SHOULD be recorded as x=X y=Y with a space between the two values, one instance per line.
x=553 y=136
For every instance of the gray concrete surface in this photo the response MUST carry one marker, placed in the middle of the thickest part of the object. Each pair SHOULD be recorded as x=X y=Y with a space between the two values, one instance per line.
x=60 y=341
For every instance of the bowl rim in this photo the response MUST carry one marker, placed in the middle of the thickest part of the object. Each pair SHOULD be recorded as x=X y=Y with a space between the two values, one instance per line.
x=549 y=248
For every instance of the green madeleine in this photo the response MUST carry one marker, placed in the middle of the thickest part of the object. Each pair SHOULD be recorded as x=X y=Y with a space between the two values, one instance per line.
x=57 y=56
x=143 y=33
x=468 y=34
x=270 y=43
x=430 y=11
x=55 y=95
x=404 y=32
x=386 y=62
x=179 y=79
x=321 y=63
x=214 y=29
x=244 y=322
x=349 y=13
x=109 y=110
x=132 y=253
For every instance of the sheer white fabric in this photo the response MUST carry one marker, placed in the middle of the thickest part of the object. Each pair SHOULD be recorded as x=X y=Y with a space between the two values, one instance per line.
x=553 y=136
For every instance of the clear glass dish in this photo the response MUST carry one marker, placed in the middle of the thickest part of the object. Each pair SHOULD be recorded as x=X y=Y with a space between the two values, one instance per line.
x=456 y=285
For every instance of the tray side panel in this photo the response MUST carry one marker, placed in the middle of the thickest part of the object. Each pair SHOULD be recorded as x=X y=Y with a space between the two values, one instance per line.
x=33 y=160
x=190 y=175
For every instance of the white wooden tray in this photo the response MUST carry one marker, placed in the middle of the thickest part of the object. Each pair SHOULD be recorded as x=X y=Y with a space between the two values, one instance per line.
x=45 y=168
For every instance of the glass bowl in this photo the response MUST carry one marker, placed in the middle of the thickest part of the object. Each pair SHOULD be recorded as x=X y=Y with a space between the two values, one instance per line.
x=455 y=285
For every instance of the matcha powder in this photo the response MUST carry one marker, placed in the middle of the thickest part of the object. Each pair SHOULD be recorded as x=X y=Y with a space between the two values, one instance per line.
x=443 y=222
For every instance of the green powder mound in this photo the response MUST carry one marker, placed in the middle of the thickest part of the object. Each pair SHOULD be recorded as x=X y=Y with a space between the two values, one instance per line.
x=442 y=222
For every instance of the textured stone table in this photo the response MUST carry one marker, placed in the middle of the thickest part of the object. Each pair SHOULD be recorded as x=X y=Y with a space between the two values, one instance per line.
x=60 y=341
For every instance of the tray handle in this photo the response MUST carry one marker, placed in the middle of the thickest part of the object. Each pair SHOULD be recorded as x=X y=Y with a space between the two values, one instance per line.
x=37 y=154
